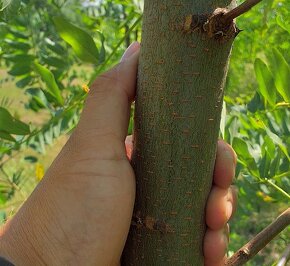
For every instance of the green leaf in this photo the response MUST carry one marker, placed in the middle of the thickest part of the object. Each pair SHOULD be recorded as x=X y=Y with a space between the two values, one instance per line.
x=11 y=125
x=20 y=69
x=265 y=81
x=31 y=159
x=6 y=136
x=242 y=150
x=23 y=46
x=102 y=56
x=4 y=150
x=275 y=163
x=256 y=103
x=19 y=58
x=50 y=82
x=3 y=216
x=54 y=61
x=268 y=155
x=281 y=73
x=265 y=165
x=241 y=147
x=54 y=47
x=38 y=96
x=18 y=34
x=275 y=138
x=269 y=146
x=80 y=41
x=24 y=82
x=4 y=4
x=282 y=23
x=8 y=8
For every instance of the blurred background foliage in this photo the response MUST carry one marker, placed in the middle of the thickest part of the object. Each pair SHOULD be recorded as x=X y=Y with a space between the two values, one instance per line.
x=50 y=51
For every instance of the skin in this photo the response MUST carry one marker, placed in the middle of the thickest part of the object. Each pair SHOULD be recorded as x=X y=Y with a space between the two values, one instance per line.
x=81 y=211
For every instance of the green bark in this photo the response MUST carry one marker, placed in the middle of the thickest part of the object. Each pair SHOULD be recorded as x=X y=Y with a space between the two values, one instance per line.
x=178 y=107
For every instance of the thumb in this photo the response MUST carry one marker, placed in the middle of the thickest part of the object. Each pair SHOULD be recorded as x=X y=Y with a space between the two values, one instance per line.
x=107 y=108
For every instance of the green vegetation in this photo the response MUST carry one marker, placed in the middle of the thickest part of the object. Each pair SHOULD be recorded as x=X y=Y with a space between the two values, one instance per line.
x=50 y=49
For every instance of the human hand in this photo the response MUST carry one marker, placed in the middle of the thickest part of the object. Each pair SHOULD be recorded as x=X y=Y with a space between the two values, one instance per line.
x=81 y=211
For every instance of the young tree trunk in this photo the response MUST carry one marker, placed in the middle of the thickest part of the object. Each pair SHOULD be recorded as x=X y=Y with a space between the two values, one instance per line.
x=182 y=72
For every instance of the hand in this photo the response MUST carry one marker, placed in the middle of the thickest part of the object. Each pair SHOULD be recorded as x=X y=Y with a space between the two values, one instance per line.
x=81 y=211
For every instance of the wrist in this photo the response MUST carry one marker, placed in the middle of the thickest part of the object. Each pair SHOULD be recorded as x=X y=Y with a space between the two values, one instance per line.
x=16 y=247
x=27 y=239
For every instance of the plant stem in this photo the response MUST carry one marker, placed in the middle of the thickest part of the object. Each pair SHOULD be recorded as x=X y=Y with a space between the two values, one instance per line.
x=285 y=257
x=260 y=241
x=179 y=99
x=239 y=10
x=12 y=184
x=54 y=119
x=281 y=175
x=277 y=188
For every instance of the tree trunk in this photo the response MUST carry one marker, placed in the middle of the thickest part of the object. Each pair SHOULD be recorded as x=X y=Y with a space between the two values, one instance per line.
x=182 y=72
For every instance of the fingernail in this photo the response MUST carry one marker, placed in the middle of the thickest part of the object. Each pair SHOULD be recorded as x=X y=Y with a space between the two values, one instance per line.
x=227 y=233
x=224 y=235
x=229 y=209
x=229 y=158
x=229 y=155
x=132 y=49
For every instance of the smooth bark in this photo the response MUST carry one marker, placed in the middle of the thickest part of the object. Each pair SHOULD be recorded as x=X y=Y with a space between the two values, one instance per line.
x=182 y=73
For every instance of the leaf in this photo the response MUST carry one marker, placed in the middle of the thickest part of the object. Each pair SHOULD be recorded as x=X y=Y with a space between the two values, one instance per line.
x=241 y=147
x=54 y=47
x=269 y=147
x=242 y=150
x=38 y=96
x=18 y=34
x=256 y=103
x=48 y=136
x=19 y=58
x=24 y=82
x=31 y=159
x=50 y=82
x=19 y=69
x=265 y=81
x=41 y=144
x=67 y=120
x=5 y=4
x=54 y=61
x=8 y=3
x=3 y=216
x=275 y=138
x=281 y=73
x=282 y=23
x=8 y=8
x=275 y=163
x=80 y=41
x=6 y=136
x=22 y=46
x=265 y=166
x=11 y=125
x=102 y=56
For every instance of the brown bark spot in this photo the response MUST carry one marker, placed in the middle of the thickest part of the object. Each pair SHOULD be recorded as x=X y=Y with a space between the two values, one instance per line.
x=213 y=25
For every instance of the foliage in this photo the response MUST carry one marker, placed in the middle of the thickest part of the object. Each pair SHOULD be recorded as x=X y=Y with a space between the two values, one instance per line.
x=51 y=49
